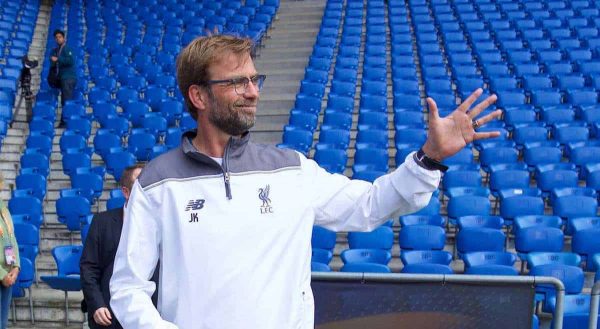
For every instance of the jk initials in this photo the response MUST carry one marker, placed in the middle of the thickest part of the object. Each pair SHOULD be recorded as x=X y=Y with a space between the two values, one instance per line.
x=193 y=218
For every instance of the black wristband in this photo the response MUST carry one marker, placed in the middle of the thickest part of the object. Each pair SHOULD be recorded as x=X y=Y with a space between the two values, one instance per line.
x=428 y=163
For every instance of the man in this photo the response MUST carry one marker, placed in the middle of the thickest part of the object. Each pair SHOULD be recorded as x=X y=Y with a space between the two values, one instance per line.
x=98 y=256
x=232 y=220
x=62 y=56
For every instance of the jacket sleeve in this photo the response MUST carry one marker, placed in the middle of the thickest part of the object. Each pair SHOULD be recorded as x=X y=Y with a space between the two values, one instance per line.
x=91 y=269
x=130 y=286
x=342 y=204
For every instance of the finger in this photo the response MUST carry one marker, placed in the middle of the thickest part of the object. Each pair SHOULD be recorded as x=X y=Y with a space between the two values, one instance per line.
x=434 y=114
x=107 y=313
x=486 y=135
x=482 y=106
x=104 y=321
x=99 y=317
x=492 y=116
x=466 y=104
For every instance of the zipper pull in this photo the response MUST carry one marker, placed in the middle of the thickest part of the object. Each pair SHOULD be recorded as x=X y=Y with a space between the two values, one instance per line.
x=227 y=186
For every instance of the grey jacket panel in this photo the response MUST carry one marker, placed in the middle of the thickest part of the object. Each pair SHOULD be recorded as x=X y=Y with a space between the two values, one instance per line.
x=241 y=156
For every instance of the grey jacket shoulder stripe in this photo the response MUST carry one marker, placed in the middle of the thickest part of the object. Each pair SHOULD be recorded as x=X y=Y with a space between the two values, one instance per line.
x=260 y=157
x=185 y=162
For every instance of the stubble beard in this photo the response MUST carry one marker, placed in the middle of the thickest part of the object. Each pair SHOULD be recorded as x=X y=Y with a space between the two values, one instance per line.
x=229 y=118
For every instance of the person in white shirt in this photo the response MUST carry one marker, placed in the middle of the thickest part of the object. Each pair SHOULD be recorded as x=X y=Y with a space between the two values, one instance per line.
x=231 y=220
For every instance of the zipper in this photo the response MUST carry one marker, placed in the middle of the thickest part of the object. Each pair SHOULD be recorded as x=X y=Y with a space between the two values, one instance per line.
x=226 y=175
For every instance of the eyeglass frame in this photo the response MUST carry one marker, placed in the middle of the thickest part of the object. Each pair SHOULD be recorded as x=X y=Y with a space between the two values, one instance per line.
x=239 y=80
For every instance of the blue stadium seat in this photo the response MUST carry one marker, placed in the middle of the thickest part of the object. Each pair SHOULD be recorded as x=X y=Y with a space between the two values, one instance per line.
x=435 y=220
x=73 y=159
x=365 y=267
x=332 y=160
x=525 y=221
x=556 y=178
x=90 y=181
x=543 y=258
x=376 y=256
x=411 y=257
x=461 y=178
x=371 y=159
x=298 y=139
x=486 y=221
x=319 y=267
x=380 y=238
x=67 y=279
x=321 y=255
x=33 y=181
x=479 y=239
x=536 y=156
x=140 y=144
x=117 y=160
x=538 y=239
x=508 y=179
x=336 y=138
x=72 y=211
x=521 y=205
x=372 y=138
x=422 y=237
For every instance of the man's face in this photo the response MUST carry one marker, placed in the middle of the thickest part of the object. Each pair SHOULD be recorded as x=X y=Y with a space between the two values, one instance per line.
x=59 y=39
x=134 y=175
x=233 y=112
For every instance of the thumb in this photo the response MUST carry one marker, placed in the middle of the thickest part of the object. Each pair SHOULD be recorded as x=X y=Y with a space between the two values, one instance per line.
x=107 y=313
x=433 y=109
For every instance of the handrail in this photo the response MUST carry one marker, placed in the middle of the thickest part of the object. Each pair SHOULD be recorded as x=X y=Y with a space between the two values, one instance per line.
x=461 y=278
x=594 y=305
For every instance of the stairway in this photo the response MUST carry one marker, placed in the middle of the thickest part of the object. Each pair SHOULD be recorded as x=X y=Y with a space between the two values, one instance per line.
x=283 y=59
x=48 y=304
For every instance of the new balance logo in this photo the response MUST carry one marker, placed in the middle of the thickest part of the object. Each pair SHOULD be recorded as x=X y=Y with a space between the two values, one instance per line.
x=195 y=205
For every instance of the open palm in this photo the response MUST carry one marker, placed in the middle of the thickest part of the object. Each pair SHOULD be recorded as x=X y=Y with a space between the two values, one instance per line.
x=452 y=133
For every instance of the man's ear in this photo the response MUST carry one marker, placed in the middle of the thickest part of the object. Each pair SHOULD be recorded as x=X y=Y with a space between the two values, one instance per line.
x=198 y=97
x=126 y=192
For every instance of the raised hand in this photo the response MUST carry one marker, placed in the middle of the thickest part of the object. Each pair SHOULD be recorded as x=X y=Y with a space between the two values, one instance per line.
x=452 y=133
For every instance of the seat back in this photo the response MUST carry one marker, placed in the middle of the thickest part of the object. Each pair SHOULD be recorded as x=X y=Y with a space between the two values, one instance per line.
x=377 y=256
x=489 y=258
x=539 y=238
x=472 y=239
x=67 y=259
x=422 y=237
x=426 y=256
x=380 y=238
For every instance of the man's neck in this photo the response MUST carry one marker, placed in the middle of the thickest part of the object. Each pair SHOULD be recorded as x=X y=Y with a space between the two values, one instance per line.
x=211 y=143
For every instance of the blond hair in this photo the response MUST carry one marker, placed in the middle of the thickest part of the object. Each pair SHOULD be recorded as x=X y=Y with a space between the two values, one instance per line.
x=195 y=59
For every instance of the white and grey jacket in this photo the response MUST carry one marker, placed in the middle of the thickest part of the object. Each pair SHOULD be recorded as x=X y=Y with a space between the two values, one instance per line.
x=234 y=241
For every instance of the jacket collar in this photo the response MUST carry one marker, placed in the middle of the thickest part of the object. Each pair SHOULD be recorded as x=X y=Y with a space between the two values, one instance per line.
x=235 y=146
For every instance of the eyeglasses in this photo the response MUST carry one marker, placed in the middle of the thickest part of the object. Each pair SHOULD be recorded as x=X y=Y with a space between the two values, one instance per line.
x=241 y=84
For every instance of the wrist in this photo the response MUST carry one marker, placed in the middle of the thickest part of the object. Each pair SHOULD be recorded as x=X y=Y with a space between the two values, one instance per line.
x=424 y=161
x=431 y=153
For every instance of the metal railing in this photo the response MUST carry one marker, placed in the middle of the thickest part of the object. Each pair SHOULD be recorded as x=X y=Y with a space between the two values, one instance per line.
x=594 y=305
x=466 y=279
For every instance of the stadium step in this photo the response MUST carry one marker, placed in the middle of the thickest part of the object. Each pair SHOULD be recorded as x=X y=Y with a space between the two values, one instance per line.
x=283 y=58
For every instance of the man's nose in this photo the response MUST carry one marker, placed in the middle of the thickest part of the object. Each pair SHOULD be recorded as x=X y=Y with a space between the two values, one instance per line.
x=251 y=90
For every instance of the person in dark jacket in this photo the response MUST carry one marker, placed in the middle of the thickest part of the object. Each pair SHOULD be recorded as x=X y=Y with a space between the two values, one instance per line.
x=96 y=262
x=62 y=56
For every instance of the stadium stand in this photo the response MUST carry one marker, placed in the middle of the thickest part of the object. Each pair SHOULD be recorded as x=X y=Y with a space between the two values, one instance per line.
x=359 y=111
